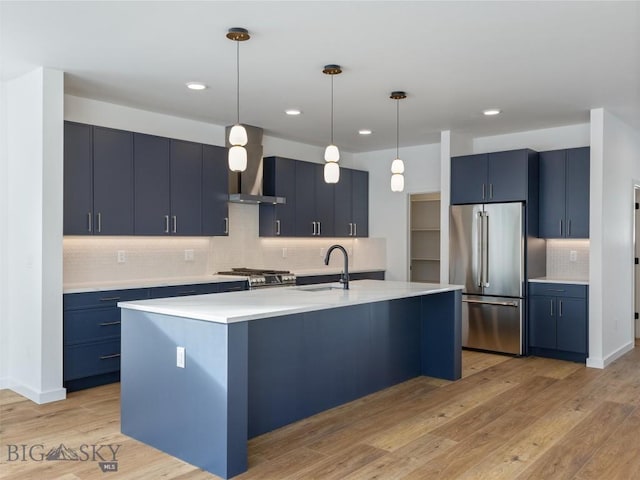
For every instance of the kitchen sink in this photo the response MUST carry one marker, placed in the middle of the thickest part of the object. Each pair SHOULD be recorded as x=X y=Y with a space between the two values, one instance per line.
x=322 y=288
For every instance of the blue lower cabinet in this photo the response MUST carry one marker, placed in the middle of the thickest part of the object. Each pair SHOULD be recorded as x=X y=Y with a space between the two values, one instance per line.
x=558 y=321
x=91 y=326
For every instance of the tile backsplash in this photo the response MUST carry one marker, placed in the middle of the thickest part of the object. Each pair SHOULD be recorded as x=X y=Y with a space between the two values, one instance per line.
x=568 y=259
x=95 y=259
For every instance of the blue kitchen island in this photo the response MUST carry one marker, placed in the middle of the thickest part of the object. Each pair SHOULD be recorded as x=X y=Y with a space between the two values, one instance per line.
x=257 y=360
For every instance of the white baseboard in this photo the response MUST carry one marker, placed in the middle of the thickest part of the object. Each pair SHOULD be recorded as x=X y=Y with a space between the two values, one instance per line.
x=33 y=395
x=609 y=359
x=593 y=362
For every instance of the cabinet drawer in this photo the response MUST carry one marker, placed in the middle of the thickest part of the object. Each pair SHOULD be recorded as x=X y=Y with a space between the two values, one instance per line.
x=91 y=324
x=558 y=289
x=91 y=359
x=184 y=290
x=107 y=298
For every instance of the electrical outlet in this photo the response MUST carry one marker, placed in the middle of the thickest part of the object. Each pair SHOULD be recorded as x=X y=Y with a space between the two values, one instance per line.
x=573 y=256
x=180 y=357
x=284 y=253
x=122 y=256
x=188 y=255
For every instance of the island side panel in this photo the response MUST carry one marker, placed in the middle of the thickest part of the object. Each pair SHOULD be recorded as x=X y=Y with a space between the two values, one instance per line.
x=441 y=335
x=306 y=363
x=196 y=413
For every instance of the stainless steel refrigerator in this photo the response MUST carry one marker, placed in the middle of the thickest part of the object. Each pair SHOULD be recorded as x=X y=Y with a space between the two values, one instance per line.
x=487 y=246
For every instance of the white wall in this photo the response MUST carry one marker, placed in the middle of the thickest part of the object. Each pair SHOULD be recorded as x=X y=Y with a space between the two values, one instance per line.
x=389 y=211
x=615 y=161
x=569 y=136
x=33 y=249
x=4 y=199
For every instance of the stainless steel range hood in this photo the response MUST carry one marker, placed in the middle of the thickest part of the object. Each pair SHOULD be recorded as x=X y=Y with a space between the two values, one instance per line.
x=246 y=187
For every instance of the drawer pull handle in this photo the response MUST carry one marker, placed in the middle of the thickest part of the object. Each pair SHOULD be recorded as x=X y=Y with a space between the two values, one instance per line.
x=109 y=299
x=187 y=292
x=107 y=357
x=107 y=324
x=555 y=290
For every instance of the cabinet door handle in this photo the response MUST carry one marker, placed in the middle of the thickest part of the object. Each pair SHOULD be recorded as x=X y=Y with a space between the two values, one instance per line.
x=109 y=299
x=351 y=229
x=107 y=357
x=551 y=303
x=99 y=222
x=561 y=227
x=90 y=221
x=108 y=324
x=569 y=228
x=490 y=190
x=355 y=229
x=277 y=227
x=166 y=224
x=226 y=225
x=319 y=228
x=560 y=308
x=483 y=190
x=314 y=228
x=175 y=223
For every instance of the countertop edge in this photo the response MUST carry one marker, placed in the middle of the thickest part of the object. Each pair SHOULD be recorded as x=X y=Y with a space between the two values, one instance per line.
x=315 y=304
x=571 y=281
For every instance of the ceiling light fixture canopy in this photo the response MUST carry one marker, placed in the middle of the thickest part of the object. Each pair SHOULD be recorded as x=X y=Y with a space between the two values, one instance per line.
x=331 y=153
x=397 y=166
x=238 y=134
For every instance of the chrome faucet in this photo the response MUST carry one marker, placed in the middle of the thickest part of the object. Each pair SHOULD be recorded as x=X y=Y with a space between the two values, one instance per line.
x=344 y=278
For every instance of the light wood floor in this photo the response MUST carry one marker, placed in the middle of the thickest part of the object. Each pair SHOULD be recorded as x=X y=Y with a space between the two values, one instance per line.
x=508 y=418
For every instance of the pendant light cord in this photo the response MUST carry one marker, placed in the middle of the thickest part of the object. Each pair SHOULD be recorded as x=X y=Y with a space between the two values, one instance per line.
x=332 y=109
x=397 y=128
x=238 y=83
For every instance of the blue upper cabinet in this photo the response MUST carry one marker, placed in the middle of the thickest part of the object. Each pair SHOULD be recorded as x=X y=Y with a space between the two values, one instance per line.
x=186 y=188
x=564 y=193
x=152 y=185
x=324 y=202
x=279 y=180
x=215 y=191
x=78 y=179
x=493 y=177
x=98 y=184
x=305 y=206
x=351 y=204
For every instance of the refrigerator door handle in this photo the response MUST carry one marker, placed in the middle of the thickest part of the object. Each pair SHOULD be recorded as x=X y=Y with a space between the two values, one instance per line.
x=485 y=245
x=479 y=236
x=501 y=304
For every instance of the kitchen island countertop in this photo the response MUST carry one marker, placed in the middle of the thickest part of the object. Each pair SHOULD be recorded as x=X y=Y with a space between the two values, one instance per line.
x=247 y=305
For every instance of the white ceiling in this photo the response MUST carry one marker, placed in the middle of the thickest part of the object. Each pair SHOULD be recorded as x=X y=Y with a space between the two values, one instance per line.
x=543 y=63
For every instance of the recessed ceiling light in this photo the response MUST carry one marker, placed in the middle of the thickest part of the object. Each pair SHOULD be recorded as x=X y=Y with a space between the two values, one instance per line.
x=491 y=111
x=365 y=131
x=293 y=111
x=196 y=86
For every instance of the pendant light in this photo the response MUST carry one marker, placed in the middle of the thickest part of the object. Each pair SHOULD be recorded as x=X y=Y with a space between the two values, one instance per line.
x=397 y=166
x=331 y=153
x=238 y=134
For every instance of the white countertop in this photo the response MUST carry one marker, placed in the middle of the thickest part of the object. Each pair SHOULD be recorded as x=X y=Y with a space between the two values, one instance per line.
x=101 y=286
x=148 y=283
x=246 y=305
x=572 y=281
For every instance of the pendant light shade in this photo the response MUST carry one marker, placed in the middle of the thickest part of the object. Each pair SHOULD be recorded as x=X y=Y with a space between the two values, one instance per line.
x=397 y=166
x=331 y=172
x=331 y=153
x=397 y=182
x=237 y=158
x=238 y=134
